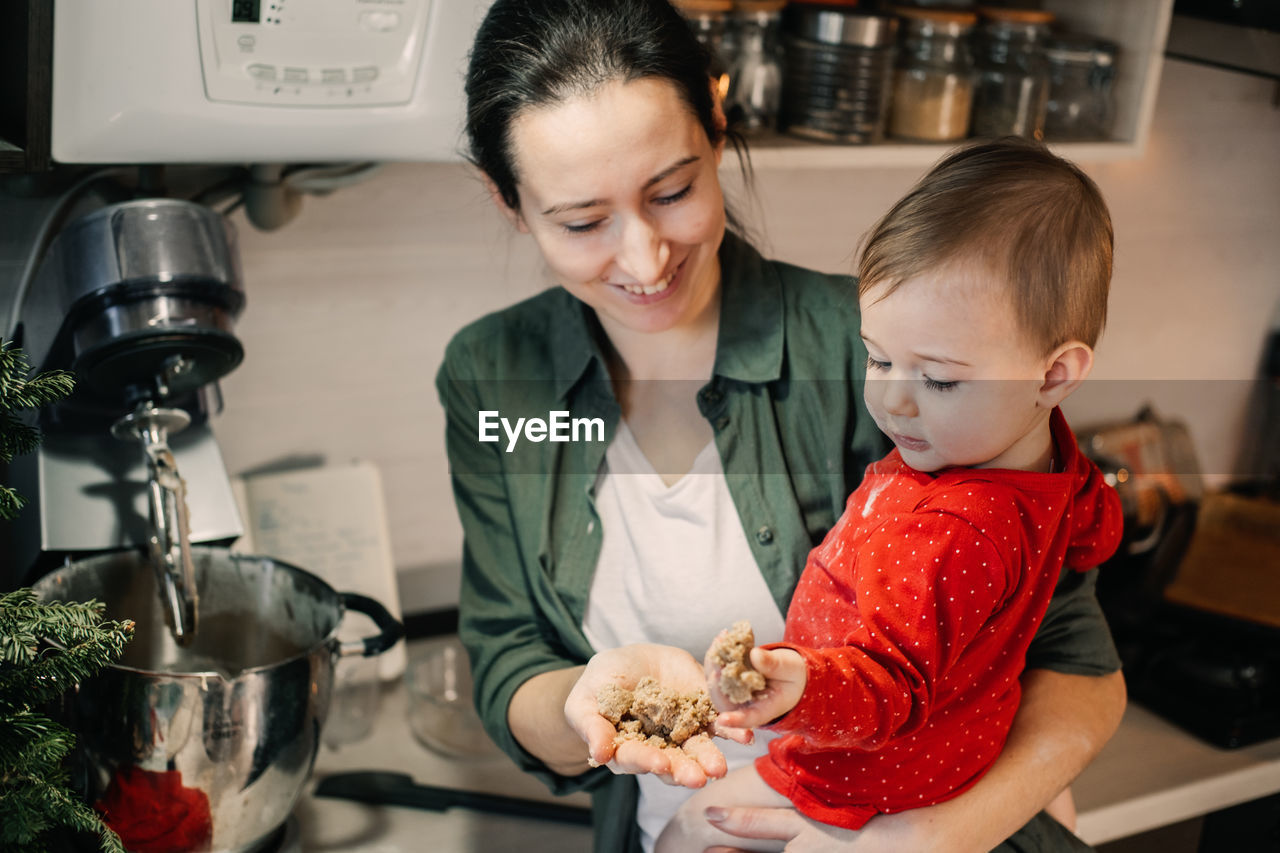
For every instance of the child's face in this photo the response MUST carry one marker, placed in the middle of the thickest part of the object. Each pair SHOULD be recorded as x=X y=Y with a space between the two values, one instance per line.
x=951 y=378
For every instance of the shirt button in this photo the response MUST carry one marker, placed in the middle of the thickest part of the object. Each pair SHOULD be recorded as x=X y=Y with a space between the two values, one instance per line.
x=764 y=535
x=712 y=396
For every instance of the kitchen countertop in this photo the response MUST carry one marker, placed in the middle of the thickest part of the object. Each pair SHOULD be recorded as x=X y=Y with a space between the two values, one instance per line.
x=335 y=824
x=1151 y=774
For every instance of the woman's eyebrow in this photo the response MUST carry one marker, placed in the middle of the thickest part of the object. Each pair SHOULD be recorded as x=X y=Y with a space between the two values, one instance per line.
x=656 y=179
x=667 y=172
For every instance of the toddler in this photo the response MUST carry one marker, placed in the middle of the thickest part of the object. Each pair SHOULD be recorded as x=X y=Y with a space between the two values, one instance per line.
x=982 y=295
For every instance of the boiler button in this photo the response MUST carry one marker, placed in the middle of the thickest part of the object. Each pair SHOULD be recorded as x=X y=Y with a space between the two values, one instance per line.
x=364 y=74
x=262 y=72
x=295 y=75
x=380 y=22
x=333 y=75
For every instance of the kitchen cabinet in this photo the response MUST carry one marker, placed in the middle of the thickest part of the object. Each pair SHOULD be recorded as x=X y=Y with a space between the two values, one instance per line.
x=26 y=52
x=1138 y=27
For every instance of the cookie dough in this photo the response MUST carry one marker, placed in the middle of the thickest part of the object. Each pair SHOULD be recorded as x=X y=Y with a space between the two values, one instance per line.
x=655 y=714
x=729 y=653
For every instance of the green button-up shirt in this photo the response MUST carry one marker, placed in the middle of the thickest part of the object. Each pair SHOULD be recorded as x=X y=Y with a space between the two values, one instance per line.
x=785 y=405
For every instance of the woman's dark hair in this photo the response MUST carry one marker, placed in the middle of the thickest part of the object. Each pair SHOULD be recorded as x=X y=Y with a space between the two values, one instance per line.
x=531 y=53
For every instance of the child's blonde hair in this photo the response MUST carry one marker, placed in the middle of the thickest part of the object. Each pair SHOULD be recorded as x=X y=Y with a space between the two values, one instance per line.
x=1018 y=211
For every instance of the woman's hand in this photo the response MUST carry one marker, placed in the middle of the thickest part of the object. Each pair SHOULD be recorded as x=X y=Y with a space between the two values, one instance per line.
x=690 y=766
x=882 y=834
x=785 y=674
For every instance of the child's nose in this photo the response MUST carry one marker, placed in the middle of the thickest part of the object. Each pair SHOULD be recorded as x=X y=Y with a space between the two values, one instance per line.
x=898 y=397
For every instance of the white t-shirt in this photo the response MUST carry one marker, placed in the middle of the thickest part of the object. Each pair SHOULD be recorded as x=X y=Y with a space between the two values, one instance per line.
x=675 y=568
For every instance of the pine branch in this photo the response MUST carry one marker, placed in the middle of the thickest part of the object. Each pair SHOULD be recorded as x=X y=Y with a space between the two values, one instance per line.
x=43 y=677
x=18 y=392
x=29 y=796
x=16 y=437
x=34 y=741
x=45 y=648
x=25 y=621
x=41 y=390
x=10 y=503
x=13 y=367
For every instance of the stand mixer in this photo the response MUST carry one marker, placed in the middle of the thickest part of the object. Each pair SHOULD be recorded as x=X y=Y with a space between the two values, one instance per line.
x=138 y=299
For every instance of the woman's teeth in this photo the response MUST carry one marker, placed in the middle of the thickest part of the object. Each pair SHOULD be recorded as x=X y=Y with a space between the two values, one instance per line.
x=650 y=289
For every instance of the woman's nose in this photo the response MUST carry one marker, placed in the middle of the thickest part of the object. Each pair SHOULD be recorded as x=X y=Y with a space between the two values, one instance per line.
x=643 y=254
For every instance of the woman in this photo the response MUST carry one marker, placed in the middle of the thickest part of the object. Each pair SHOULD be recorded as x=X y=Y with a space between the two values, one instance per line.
x=594 y=561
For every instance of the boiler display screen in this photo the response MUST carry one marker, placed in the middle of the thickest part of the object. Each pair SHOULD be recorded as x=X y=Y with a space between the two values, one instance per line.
x=245 y=11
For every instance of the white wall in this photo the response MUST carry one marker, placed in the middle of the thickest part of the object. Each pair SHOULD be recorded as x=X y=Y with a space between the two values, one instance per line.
x=349 y=307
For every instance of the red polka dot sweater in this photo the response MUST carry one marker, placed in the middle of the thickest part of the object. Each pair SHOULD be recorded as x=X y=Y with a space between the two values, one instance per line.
x=914 y=616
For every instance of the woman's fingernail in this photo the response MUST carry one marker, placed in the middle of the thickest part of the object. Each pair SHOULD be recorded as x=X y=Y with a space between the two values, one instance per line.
x=715 y=814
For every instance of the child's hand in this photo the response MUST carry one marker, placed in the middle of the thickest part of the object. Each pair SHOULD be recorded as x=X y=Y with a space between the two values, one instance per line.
x=785 y=674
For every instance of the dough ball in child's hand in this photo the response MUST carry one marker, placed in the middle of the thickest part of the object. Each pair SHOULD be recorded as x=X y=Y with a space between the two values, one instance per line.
x=729 y=656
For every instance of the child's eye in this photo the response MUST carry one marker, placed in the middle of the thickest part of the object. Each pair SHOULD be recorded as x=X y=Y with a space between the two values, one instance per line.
x=581 y=228
x=674 y=197
x=935 y=385
x=872 y=364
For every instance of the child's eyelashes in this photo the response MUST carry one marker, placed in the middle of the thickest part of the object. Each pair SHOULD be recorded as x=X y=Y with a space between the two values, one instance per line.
x=931 y=384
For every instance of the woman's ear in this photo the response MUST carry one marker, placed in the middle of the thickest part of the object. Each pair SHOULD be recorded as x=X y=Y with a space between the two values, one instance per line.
x=513 y=216
x=718 y=84
x=1068 y=366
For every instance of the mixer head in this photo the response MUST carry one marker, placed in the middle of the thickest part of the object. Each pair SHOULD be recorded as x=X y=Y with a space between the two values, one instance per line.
x=138 y=298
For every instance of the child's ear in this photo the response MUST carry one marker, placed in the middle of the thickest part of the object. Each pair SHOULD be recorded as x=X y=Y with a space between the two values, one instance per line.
x=513 y=216
x=1068 y=365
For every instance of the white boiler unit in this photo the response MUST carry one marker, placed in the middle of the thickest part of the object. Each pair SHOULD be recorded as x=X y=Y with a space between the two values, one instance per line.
x=251 y=81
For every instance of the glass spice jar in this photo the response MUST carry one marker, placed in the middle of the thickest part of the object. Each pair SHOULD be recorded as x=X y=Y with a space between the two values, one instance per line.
x=709 y=20
x=933 y=80
x=1012 y=89
x=755 y=75
x=1081 y=72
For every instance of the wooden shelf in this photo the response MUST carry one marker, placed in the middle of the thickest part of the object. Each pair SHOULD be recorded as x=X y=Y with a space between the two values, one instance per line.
x=780 y=152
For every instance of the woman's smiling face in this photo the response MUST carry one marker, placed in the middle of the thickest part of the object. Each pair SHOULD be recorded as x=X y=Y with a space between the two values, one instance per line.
x=620 y=191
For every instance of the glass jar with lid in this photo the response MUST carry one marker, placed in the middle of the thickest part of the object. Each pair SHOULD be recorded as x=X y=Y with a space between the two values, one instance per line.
x=1012 y=90
x=709 y=20
x=839 y=73
x=755 y=74
x=933 y=79
x=1081 y=73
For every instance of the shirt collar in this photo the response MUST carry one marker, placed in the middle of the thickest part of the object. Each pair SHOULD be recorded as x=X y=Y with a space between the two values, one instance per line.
x=749 y=348
x=750 y=343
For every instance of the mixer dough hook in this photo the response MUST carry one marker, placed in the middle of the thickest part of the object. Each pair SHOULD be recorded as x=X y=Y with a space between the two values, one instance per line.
x=170 y=542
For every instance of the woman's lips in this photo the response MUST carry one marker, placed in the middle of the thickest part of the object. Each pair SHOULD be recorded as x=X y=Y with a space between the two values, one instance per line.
x=907 y=442
x=656 y=292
